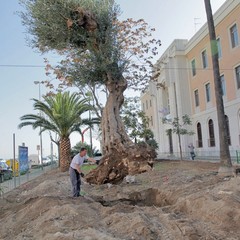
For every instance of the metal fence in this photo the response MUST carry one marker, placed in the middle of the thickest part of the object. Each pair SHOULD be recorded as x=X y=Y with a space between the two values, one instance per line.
x=16 y=181
x=201 y=155
x=213 y=156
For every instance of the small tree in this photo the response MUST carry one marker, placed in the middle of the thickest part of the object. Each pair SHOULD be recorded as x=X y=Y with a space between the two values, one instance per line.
x=137 y=123
x=179 y=128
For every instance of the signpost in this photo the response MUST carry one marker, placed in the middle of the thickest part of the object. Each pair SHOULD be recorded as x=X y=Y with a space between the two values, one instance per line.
x=23 y=159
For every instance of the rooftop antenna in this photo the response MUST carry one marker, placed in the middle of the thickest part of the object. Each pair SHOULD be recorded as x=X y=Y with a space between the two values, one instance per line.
x=196 y=22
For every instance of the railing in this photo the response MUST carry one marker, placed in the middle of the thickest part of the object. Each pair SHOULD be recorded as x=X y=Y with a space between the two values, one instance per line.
x=16 y=181
x=238 y=157
x=200 y=155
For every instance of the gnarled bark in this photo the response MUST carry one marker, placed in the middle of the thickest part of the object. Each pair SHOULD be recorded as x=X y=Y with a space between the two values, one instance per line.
x=115 y=166
x=121 y=156
x=114 y=136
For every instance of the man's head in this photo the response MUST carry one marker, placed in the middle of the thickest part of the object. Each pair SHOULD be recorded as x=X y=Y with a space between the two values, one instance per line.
x=83 y=152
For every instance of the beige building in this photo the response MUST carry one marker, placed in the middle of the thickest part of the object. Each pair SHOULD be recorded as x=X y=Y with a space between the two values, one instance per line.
x=186 y=86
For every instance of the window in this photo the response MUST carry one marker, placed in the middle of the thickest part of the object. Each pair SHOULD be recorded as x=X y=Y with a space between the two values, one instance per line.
x=237 y=72
x=166 y=99
x=199 y=135
x=151 y=120
x=150 y=102
x=223 y=85
x=219 y=47
x=234 y=35
x=211 y=133
x=143 y=107
x=204 y=59
x=228 y=131
x=196 y=96
x=208 y=92
x=146 y=104
x=193 y=63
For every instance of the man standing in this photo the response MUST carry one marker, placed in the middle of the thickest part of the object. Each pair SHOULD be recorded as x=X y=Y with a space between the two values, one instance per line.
x=75 y=170
x=192 y=153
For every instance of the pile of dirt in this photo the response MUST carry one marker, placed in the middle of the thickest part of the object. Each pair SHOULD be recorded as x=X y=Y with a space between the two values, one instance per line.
x=177 y=200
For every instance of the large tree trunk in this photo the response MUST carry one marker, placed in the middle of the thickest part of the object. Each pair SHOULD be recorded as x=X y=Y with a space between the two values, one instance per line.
x=113 y=131
x=121 y=156
x=65 y=153
x=225 y=158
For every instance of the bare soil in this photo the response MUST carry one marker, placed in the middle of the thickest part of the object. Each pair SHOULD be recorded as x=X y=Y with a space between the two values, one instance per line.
x=176 y=200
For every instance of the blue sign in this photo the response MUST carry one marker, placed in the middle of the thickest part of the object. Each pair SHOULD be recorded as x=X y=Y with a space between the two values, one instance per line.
x=23 y=159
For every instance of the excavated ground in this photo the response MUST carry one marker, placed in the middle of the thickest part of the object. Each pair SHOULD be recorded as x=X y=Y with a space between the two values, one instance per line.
x=177 y=200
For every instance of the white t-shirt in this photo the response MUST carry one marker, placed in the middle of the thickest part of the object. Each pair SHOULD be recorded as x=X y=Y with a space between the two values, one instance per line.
x=77 y=160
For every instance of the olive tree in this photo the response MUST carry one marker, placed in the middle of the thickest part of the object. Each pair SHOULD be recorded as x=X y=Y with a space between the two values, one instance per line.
x=99 y=50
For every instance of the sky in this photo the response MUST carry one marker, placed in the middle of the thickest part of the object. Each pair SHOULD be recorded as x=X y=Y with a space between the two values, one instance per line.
x=20 y=65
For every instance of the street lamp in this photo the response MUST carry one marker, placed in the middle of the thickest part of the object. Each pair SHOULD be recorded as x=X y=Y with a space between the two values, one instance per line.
x=39 y=96
x=90 y=132
x=89 y=95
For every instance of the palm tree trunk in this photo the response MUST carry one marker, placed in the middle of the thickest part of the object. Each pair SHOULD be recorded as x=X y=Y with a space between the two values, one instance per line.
x=65 y=153
x=225 y=158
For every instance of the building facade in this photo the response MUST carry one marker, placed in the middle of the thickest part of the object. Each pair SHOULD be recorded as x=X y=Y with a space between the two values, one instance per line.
x=186 y=86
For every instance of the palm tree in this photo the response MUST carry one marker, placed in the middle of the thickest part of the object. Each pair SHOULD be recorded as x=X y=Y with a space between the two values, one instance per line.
x=225 y=157
x=60 y=113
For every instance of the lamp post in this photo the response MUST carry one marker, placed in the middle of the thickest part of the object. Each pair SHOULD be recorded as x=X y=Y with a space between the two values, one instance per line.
x=90 y=133
x=39 y=96
x=89 y=95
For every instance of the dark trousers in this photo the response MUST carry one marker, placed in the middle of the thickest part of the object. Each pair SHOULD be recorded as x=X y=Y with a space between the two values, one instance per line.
x=192 y=155
x=75 y=181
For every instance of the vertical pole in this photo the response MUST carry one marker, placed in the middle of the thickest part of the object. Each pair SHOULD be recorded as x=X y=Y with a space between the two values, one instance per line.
x=19 y=167
x=225 y=158
x=51 y=147
x=41 y=150
x=39 y=96
x=14 y=162
x=178 y=133
x=38 y=149
x=91 y=144
x=90 y=134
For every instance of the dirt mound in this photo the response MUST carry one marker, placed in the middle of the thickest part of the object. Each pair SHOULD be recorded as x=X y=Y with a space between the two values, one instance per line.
x=177 y=200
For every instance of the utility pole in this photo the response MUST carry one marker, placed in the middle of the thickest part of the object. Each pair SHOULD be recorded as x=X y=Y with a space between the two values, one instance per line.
x=225 y=158
x=89 y=95
x=90 y=132
x=41 y=148
x=14 y=161
x=178 y=132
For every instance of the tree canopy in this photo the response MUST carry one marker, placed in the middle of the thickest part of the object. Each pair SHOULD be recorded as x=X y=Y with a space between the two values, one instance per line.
x=60 y=113
x=136 y=122
x=93 y=41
